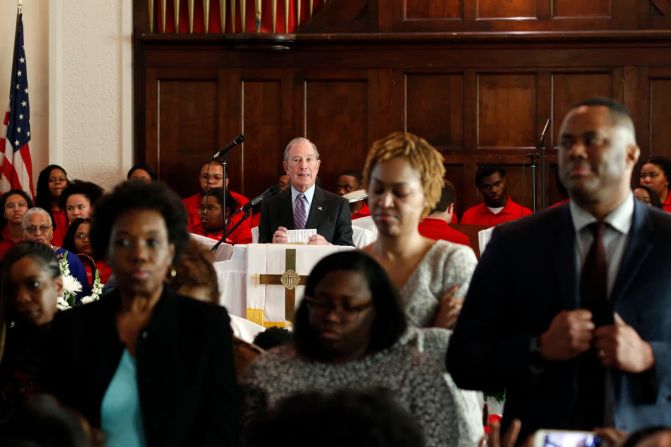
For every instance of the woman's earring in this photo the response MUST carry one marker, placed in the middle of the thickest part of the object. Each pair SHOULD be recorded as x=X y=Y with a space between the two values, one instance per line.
x=172 y=273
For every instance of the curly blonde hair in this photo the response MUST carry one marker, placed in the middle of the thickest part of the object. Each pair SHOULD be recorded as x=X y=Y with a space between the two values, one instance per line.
x=423 y=158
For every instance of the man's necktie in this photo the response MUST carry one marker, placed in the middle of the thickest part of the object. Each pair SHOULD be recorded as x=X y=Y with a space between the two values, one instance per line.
x=300 y=213
x=591 y=386
x=594 y=278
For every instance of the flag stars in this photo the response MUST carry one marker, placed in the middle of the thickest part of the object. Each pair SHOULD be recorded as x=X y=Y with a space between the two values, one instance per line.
x=18 y=130
x=22 y=60
x=16 y=143
x=20 y=116
x=19 y=73
x=23 y=103
x=28 y=133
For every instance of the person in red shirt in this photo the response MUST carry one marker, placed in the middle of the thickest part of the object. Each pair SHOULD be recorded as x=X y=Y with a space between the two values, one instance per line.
x=436 y=225
x=350 y=181
x=497 y=206
x=50 y=185
x=211 y=176
x=212 y=218
x=15 y=203
x=656 y=174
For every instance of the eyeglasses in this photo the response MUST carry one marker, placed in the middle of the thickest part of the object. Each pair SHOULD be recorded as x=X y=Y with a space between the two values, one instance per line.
x=82 y=236
x=42 y=229
x=343 y=309
x=214 y=177
x=10 y=206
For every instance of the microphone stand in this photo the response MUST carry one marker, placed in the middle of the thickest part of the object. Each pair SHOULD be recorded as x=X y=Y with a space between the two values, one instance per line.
x=540 y=152
x=227 y=233
x=533 y=156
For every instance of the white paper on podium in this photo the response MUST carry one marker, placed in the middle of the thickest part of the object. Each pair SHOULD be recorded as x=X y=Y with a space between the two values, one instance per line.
x=300 y=236
x=483 y=238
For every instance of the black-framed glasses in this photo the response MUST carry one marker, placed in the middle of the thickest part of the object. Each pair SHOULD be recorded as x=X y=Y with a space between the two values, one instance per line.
x=343 y=308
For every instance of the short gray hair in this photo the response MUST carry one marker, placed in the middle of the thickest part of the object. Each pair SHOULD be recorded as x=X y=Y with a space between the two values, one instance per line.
x=299 y=140
x=35 y=210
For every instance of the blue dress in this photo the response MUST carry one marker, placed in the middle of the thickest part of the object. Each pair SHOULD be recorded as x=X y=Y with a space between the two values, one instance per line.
x=121 y=415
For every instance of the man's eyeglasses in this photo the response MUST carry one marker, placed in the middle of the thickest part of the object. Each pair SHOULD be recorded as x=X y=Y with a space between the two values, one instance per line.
x=82 y=236
x=42 y=229
x=214 y=177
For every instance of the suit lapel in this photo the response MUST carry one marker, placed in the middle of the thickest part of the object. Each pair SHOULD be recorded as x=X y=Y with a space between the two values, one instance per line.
x=565 y=267
x=286 y=210
x=637 y=249
x=317 y=208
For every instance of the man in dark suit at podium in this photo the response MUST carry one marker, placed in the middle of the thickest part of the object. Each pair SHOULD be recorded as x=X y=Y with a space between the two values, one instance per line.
x=305 y=205
x=569 y=310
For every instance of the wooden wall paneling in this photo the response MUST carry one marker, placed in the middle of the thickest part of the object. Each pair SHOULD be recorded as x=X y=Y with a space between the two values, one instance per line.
x=381 y=105
x=544 y=108
x=569 y=88
x=187 y=126
x=434 y=104
x=582 y=9
x=509 y=9
x=659 y=87
x=150 y=133
x=431 y=9
x=507 y=112
x=455 y=174
x=266 y=116
x=337 y=115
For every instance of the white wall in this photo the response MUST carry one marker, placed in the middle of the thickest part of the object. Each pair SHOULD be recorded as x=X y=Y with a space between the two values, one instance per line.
x=79 y=73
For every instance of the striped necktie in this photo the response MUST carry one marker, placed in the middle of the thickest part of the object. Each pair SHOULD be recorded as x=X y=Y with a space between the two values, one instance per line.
x=300 y=213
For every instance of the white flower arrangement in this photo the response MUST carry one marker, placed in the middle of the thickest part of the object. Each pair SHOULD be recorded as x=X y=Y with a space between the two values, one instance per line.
x=71 y=285
x=96 y=290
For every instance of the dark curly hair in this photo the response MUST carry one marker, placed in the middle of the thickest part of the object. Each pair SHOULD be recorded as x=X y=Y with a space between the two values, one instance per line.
x=130 y=195
x=353 y=418
x=487 y=170
x=218 y=193
x=389 y=323
x=663 y=163
x=69 y=238
x=145 y=167
x=43 y=195
x=5 y=196
x=89 y=190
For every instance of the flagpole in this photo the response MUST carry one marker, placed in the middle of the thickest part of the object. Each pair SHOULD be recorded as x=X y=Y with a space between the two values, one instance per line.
x=20 y=6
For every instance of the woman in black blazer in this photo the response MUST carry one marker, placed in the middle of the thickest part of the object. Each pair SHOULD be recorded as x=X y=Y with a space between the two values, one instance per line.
x=148 y=366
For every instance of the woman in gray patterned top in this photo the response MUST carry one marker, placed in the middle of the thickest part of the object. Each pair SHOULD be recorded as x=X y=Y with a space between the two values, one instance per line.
x=347 y=332
x=404 y=177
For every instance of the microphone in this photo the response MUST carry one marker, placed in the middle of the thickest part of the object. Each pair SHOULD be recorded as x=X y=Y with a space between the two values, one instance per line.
x=541 y=140
x=224 y=150
x=258 y=199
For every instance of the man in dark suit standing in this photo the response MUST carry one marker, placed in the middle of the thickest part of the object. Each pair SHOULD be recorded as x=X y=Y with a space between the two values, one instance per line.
x=569 y=310
x=304 y=204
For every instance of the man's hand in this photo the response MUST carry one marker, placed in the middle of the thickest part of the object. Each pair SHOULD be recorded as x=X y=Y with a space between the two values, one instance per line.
x=569 y=334
x=619 y=346
x=318 y=239
x=280 y=236
x=448 y=309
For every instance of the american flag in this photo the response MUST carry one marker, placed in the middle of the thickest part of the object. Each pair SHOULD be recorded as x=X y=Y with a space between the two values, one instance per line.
x=17 y=166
